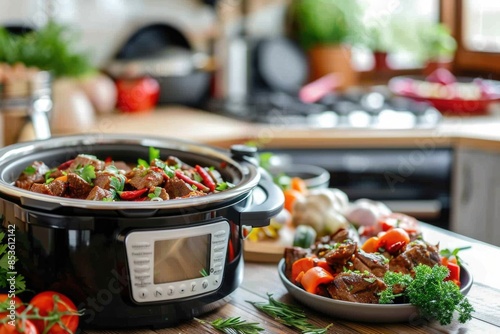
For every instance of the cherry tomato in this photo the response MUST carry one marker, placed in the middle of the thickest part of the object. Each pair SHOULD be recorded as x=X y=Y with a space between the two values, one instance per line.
x=393 y=240
x=137 y=94
x=24 y=327
x=5 y=303
x=50 y=302
x=408 y=223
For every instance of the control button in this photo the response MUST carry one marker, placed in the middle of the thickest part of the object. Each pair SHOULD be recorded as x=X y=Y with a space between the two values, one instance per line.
x=141 y=269
x=193 y=286
x=142 y=244
x=170 y=290
x=142 y=253
x=217 y=268
x=216 y=281
x=219 y=248
x=143 y=293
x=142 y=283
x=142 y=277
x=204 y=284
x=218 y=256
x=182 y=288
x=219 y=234
x=141 y=260
x=158 y=292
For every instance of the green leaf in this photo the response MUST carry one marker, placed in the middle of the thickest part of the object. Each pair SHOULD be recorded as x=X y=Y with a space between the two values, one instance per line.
x=143 y=163
x=87 y=173
x=51 y=48
x=153 y=153
x=30 y=170
x=224 y=186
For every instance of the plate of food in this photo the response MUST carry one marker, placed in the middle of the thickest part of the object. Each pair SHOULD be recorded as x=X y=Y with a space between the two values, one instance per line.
x=338 y=278
x=447 y=93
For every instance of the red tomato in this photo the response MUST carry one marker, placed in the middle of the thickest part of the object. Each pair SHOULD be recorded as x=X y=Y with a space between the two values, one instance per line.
x=5 y=303
x=407 y=223
x=393 y=240
x=49 y=302
x=137 y=94
x=24 y=327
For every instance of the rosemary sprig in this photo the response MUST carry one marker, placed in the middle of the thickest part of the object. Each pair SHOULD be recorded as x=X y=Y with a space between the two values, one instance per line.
x=234 y=325
x=288 y=315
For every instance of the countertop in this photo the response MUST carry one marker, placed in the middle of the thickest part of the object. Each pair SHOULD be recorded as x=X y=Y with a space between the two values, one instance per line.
x=482 y=132
x=261 y=279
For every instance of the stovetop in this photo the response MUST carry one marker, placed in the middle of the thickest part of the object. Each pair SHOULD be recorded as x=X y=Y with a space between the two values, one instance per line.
x=367 y=108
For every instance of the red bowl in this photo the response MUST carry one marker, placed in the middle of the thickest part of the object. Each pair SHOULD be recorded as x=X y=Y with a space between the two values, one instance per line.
x=404 y=86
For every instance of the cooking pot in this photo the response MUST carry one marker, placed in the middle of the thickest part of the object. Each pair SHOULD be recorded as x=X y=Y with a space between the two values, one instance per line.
x=135 y=264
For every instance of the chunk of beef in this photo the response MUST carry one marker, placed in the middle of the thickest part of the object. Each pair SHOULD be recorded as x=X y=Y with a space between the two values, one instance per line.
x=58 y=187
x=341 y=254
x=344 y=234
x=103 y=179
x=98 y=194
x=163 y=193
x=141 y=178
x=82 y=160
x=122 y=165
x=78 y=187
x=177 y=188
x=33 y=174
x=292 y=254
x=371 y=262
x=175 y=161
x=356 y=287
x=41 y=188
x=416 y=252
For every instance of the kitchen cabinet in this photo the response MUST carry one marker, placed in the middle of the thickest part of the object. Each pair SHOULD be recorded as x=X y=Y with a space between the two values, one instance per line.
x=476 y=195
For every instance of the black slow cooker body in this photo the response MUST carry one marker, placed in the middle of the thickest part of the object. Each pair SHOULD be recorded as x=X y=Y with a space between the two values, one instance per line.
x=84 y=257
x=77 y=247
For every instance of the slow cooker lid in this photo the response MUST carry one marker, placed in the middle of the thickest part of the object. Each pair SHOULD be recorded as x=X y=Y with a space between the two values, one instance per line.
x=14 y=158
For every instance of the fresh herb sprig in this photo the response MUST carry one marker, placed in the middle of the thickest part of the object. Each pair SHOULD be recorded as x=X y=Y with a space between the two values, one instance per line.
x=86 y=172
x=288 y=315
x=234 y=325
x=448 y=253
x=430 y=293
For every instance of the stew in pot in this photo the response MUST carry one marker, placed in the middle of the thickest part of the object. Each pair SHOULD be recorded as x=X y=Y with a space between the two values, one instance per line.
x=87 y=177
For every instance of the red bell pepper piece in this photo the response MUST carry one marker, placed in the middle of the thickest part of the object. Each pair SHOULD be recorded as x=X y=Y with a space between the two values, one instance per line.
x=453 y=269
x=207 y=179
x=132 y=194
x=190 y=181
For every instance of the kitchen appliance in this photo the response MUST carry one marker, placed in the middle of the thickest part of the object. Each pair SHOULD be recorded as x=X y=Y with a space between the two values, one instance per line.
x=142 y=264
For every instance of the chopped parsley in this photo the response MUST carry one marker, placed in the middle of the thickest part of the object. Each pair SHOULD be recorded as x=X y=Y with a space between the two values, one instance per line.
x=224 y=185
x=87 y=173
x=30 y=170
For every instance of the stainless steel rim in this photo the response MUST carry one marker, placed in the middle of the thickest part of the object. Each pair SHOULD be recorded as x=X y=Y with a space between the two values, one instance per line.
x=8 y=155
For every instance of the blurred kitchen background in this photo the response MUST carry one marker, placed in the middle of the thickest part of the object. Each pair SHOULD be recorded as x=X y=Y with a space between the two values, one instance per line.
x=244 y=58
x=363 y=70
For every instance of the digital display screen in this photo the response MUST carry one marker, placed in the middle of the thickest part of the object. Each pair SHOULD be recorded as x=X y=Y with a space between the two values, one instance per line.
x=181 y=259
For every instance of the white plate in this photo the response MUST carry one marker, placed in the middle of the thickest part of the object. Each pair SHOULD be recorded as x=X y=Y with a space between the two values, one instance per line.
x=360 y=311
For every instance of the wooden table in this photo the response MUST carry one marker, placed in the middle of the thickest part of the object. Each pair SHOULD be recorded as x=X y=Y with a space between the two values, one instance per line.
x=482 y=259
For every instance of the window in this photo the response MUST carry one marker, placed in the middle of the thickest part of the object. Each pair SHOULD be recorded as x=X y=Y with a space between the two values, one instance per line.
x=394 y=27
x=481 y=26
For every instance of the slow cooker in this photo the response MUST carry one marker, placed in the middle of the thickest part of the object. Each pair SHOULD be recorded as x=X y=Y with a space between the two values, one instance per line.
x=129 y=264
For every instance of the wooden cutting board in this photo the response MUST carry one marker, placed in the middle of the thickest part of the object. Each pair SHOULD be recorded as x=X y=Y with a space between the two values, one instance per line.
x=268 y=251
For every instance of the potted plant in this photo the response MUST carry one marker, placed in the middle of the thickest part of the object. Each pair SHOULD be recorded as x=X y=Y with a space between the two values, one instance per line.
x=78 y=89
x=326 y=29
x=438 y=47
x=379 y=40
